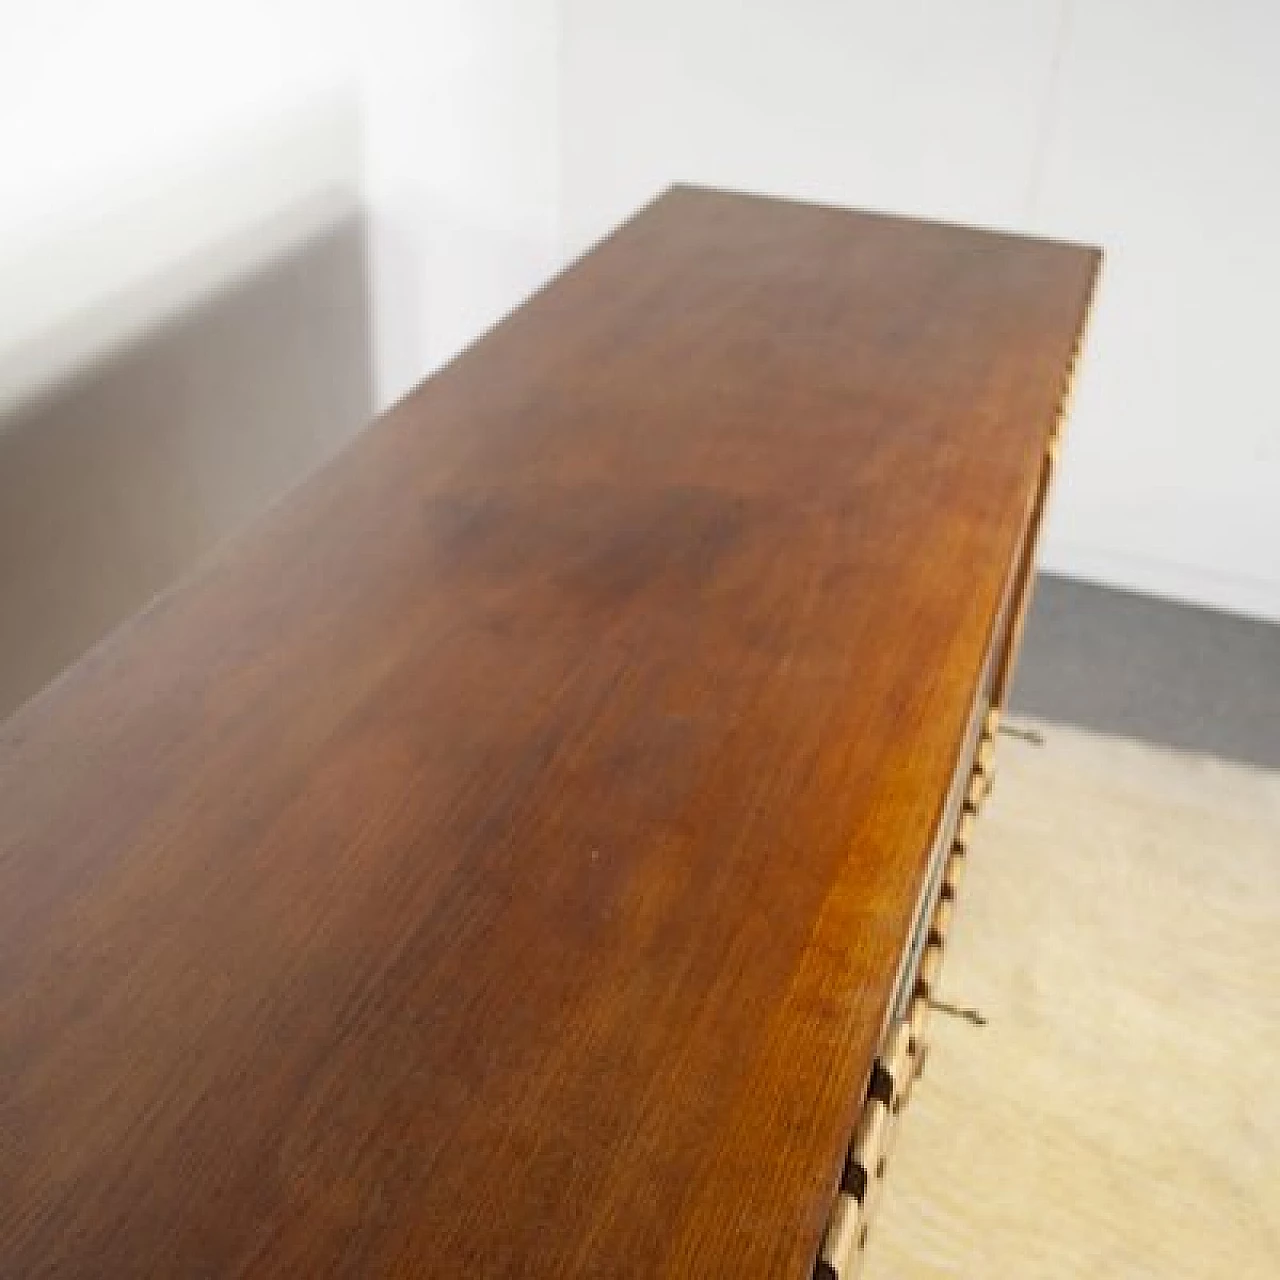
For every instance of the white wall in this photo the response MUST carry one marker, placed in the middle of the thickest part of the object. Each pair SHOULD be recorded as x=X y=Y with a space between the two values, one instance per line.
x=112 y=117
x=228 y=234
x=910 y=106
x=460 y=101
x=1147 y=126
x=1166 y=150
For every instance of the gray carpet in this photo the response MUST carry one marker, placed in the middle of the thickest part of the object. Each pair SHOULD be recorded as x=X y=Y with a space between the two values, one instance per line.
x=1163 y=673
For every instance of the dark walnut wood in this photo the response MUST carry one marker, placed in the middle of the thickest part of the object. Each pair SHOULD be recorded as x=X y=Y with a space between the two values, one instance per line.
x=498 y=861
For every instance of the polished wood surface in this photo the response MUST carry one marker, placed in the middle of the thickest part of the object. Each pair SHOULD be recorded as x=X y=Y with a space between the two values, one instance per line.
x=497 y=862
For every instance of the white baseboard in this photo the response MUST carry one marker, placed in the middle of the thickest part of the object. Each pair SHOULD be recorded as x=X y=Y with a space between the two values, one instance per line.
x=1186 y=584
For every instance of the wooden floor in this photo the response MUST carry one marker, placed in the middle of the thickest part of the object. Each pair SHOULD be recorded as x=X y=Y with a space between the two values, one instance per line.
x=1117 y=1115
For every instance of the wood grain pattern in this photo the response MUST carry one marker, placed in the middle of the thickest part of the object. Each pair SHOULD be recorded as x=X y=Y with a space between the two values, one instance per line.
x=497 y=862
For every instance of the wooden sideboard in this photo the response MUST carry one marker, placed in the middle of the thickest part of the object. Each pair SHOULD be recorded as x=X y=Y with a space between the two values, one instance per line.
x=528 y=850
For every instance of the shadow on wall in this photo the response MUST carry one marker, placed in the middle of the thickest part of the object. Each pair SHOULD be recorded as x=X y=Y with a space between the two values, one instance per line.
x=145 y=423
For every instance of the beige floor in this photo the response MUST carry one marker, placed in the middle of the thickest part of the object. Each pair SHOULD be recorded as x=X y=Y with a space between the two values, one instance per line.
x=1119 y=1114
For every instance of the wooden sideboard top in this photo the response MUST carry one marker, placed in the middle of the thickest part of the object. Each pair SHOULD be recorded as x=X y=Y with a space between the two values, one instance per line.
x=497 y=861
